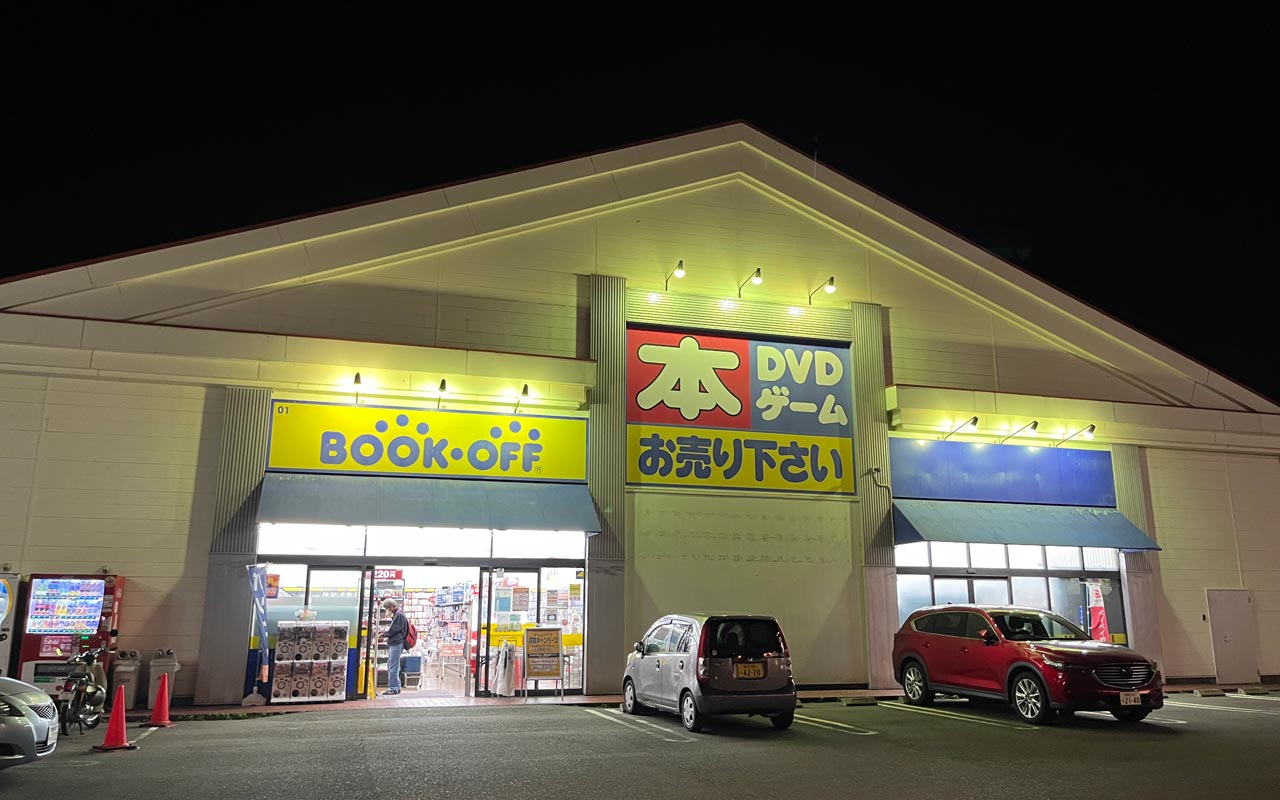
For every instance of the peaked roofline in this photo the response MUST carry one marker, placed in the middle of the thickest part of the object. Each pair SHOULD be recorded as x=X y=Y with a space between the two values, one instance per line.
x=738 y=131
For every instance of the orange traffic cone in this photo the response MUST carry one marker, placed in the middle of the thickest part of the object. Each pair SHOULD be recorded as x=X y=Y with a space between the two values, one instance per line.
x=116 y=738
x=160 y=714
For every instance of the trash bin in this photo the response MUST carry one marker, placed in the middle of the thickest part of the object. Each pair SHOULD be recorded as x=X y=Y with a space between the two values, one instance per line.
x=125 y=673
x=162 y=662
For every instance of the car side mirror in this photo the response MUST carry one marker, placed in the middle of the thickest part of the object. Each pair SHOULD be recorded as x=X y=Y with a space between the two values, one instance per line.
x=989 y=637
x=639 y=648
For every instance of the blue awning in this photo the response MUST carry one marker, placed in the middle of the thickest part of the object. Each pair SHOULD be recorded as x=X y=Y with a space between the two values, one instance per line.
x=1015 y=523
x=426 y=502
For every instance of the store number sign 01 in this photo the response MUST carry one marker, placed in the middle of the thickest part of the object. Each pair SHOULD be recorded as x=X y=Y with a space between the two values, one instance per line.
x=542 y=654
x=729 y=413
x=380 y=440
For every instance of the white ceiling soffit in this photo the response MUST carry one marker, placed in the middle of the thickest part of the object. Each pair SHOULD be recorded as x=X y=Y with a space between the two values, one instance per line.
x=238 y=265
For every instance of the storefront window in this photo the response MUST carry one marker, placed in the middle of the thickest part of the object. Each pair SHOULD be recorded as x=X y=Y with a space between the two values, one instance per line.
x=1026 y=556
x=540 y=544
x=564 y=603
x=991 y=591
x=949 y=554
x=1066 y=597
x=914 y=591
x=1063 y=557
x=289 y=583
x=1103 y=559
x=915 y=554
x=950 y=590
x=1030 y=592
x=987 y=556
x=429 y=542
x=310 y=540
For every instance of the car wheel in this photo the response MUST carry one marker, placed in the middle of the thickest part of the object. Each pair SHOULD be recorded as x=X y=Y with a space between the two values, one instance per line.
x=1130 y=714
x=689 y=714
x=1030 y=699
x=630 y=704
x=915 y=686
x=783 y=721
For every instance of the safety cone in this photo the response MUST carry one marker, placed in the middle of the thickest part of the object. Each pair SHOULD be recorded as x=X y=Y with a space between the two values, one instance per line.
x=160 y=714
x=116 y=738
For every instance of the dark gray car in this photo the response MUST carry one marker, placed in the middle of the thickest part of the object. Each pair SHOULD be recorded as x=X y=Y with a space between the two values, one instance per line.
x=697 y=665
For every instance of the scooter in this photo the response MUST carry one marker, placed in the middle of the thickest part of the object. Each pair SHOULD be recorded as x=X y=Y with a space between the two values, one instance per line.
x=86 y=685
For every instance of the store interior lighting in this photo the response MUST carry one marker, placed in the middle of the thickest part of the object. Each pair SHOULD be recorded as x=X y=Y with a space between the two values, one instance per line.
x=676 y=273
x=829 y=287
x=1084 y=433
x=755 y=279
x=970 y=424
x=1031 y=426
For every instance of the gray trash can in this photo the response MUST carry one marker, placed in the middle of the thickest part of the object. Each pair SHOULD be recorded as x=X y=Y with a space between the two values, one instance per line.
x=162 y=662
x=125 y=673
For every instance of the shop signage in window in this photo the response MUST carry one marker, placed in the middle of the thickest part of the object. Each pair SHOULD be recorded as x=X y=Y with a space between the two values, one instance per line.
x=543 y=654
x=732 y=413
x=380 y=440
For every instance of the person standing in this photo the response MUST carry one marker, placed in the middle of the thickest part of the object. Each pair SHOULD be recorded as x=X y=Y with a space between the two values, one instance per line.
x=395 y=644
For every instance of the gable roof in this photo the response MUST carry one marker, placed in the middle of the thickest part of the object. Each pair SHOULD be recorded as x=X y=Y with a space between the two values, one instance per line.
x=164 y=284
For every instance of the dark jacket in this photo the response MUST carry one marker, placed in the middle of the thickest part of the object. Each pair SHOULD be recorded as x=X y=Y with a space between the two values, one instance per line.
x=398 y=630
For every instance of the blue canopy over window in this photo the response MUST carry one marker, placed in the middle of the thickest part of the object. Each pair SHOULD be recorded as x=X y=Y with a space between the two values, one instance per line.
x=426 y=502
x=1015 y=523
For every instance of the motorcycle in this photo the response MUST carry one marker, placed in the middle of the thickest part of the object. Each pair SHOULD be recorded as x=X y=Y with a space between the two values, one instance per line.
x=86 y=685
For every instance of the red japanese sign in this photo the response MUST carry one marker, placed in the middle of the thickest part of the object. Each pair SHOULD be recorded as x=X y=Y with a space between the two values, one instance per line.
x=387 y=574
x=683 y=379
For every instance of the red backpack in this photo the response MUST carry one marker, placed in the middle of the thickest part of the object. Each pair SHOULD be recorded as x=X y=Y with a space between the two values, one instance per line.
x=410 y=636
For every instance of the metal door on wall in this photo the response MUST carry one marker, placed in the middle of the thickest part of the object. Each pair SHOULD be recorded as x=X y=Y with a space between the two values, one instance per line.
x=1235 y=635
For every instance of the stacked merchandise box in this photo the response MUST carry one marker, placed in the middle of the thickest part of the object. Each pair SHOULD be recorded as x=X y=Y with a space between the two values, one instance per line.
x=310 y=662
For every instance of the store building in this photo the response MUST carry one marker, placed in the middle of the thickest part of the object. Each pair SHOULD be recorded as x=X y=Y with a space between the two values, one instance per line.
x=755 y=385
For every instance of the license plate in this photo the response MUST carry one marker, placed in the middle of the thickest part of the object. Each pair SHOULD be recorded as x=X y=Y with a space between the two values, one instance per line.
x=749 y=671
x=53 y=734
x=1130 y=699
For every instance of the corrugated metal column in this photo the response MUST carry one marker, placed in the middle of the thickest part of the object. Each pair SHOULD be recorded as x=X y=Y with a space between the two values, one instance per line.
x=607 y=478
x=1140 y=576
x=224 y=633
x=870 y=450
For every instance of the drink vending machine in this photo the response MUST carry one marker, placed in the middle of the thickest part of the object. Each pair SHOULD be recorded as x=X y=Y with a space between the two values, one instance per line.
x=63 y=616
x=8 y=619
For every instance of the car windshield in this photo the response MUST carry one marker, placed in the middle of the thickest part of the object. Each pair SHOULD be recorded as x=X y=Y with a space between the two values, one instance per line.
x=745 y=638
x=1033 y=626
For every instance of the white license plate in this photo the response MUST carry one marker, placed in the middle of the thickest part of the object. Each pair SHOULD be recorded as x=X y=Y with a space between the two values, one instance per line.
x=53 y=734
x=1130 y=698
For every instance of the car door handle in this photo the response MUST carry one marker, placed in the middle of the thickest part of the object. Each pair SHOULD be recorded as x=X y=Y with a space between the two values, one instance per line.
x=681 y=665
x=657 y=664
x=928 y=644
x=964 y=648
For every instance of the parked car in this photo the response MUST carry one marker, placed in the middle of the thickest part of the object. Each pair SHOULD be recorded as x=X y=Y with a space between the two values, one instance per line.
x=1035 y=660
x=28 y=723
x=698 y=665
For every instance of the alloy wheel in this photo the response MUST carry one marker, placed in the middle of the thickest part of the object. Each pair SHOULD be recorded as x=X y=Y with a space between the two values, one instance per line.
x=913 y=682
x=1027 y=698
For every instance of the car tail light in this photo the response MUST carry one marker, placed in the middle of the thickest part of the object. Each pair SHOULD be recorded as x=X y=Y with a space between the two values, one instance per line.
x=703 y=638
x=786 y=651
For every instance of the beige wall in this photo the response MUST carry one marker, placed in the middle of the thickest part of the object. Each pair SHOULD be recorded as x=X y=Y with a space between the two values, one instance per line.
x=1217 y=518
x=100 y=473
x=798 y=560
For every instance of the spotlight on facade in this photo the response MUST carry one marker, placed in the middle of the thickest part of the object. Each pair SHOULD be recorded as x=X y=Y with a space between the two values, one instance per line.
x=970 y=424
x=676 y=273
x=829 y=287
x=1084 y=433
x=444 y=387
x=1030 y=426
x=524 y=392
x=755 y=279
x=356 y=381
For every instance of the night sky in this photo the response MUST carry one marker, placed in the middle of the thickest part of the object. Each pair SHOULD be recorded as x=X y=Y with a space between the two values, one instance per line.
x=1140 y=184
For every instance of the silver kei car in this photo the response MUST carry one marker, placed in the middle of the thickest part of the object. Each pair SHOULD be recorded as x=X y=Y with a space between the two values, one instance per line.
x=697 y=665
x=28 y=723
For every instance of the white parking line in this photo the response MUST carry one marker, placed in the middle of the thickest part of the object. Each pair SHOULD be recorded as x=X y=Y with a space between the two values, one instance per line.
x=663 y=730
x=937 y=712
x=818 y=722
x=638 y=728
x=1235 y=710
x=147 y=733
x=1252 y=697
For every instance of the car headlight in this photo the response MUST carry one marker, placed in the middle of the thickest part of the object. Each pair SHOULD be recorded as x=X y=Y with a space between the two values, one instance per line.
x=8 y=709
x=1063 y=666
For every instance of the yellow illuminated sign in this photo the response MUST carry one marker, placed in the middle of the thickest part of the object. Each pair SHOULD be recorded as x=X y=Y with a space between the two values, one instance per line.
x=380 y=440
x=542 y=654
x=660 y=455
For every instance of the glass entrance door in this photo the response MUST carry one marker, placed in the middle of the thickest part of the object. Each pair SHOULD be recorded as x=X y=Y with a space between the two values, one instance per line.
x=339 y=594
x=509 y=604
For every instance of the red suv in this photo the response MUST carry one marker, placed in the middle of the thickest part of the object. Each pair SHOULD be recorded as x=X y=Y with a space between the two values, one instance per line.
x=1035 y=660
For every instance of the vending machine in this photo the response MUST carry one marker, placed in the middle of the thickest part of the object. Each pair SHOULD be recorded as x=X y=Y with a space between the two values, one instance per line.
x=64 y=615
x=8 y=619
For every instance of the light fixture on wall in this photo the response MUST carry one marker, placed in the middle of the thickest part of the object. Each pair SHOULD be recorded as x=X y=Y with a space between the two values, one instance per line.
x=755 y=279
x=677 y=273
x=356 y=382
x=970 y=424
x=444 y=387
x=829 y=287
x=1084 y=433
x=524 y=392
x=1032 y=425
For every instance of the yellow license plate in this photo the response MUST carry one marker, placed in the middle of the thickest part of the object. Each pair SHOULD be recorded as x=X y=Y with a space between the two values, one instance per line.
x=748 y=670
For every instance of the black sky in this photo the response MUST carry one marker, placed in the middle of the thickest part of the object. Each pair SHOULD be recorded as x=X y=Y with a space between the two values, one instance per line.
x=1140 y=180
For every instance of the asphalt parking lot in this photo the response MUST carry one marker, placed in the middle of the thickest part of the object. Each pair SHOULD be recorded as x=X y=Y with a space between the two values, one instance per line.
x=1195 y=747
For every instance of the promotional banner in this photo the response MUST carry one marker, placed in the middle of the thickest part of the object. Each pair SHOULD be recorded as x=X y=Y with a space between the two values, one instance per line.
x=378 y=440
x=542 y=654
x=258 y=585
x=1098 y=628
x=724 y=412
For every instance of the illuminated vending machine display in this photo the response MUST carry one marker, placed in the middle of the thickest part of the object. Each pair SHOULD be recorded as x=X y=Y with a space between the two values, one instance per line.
x=65 y=615
x=8 y=619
